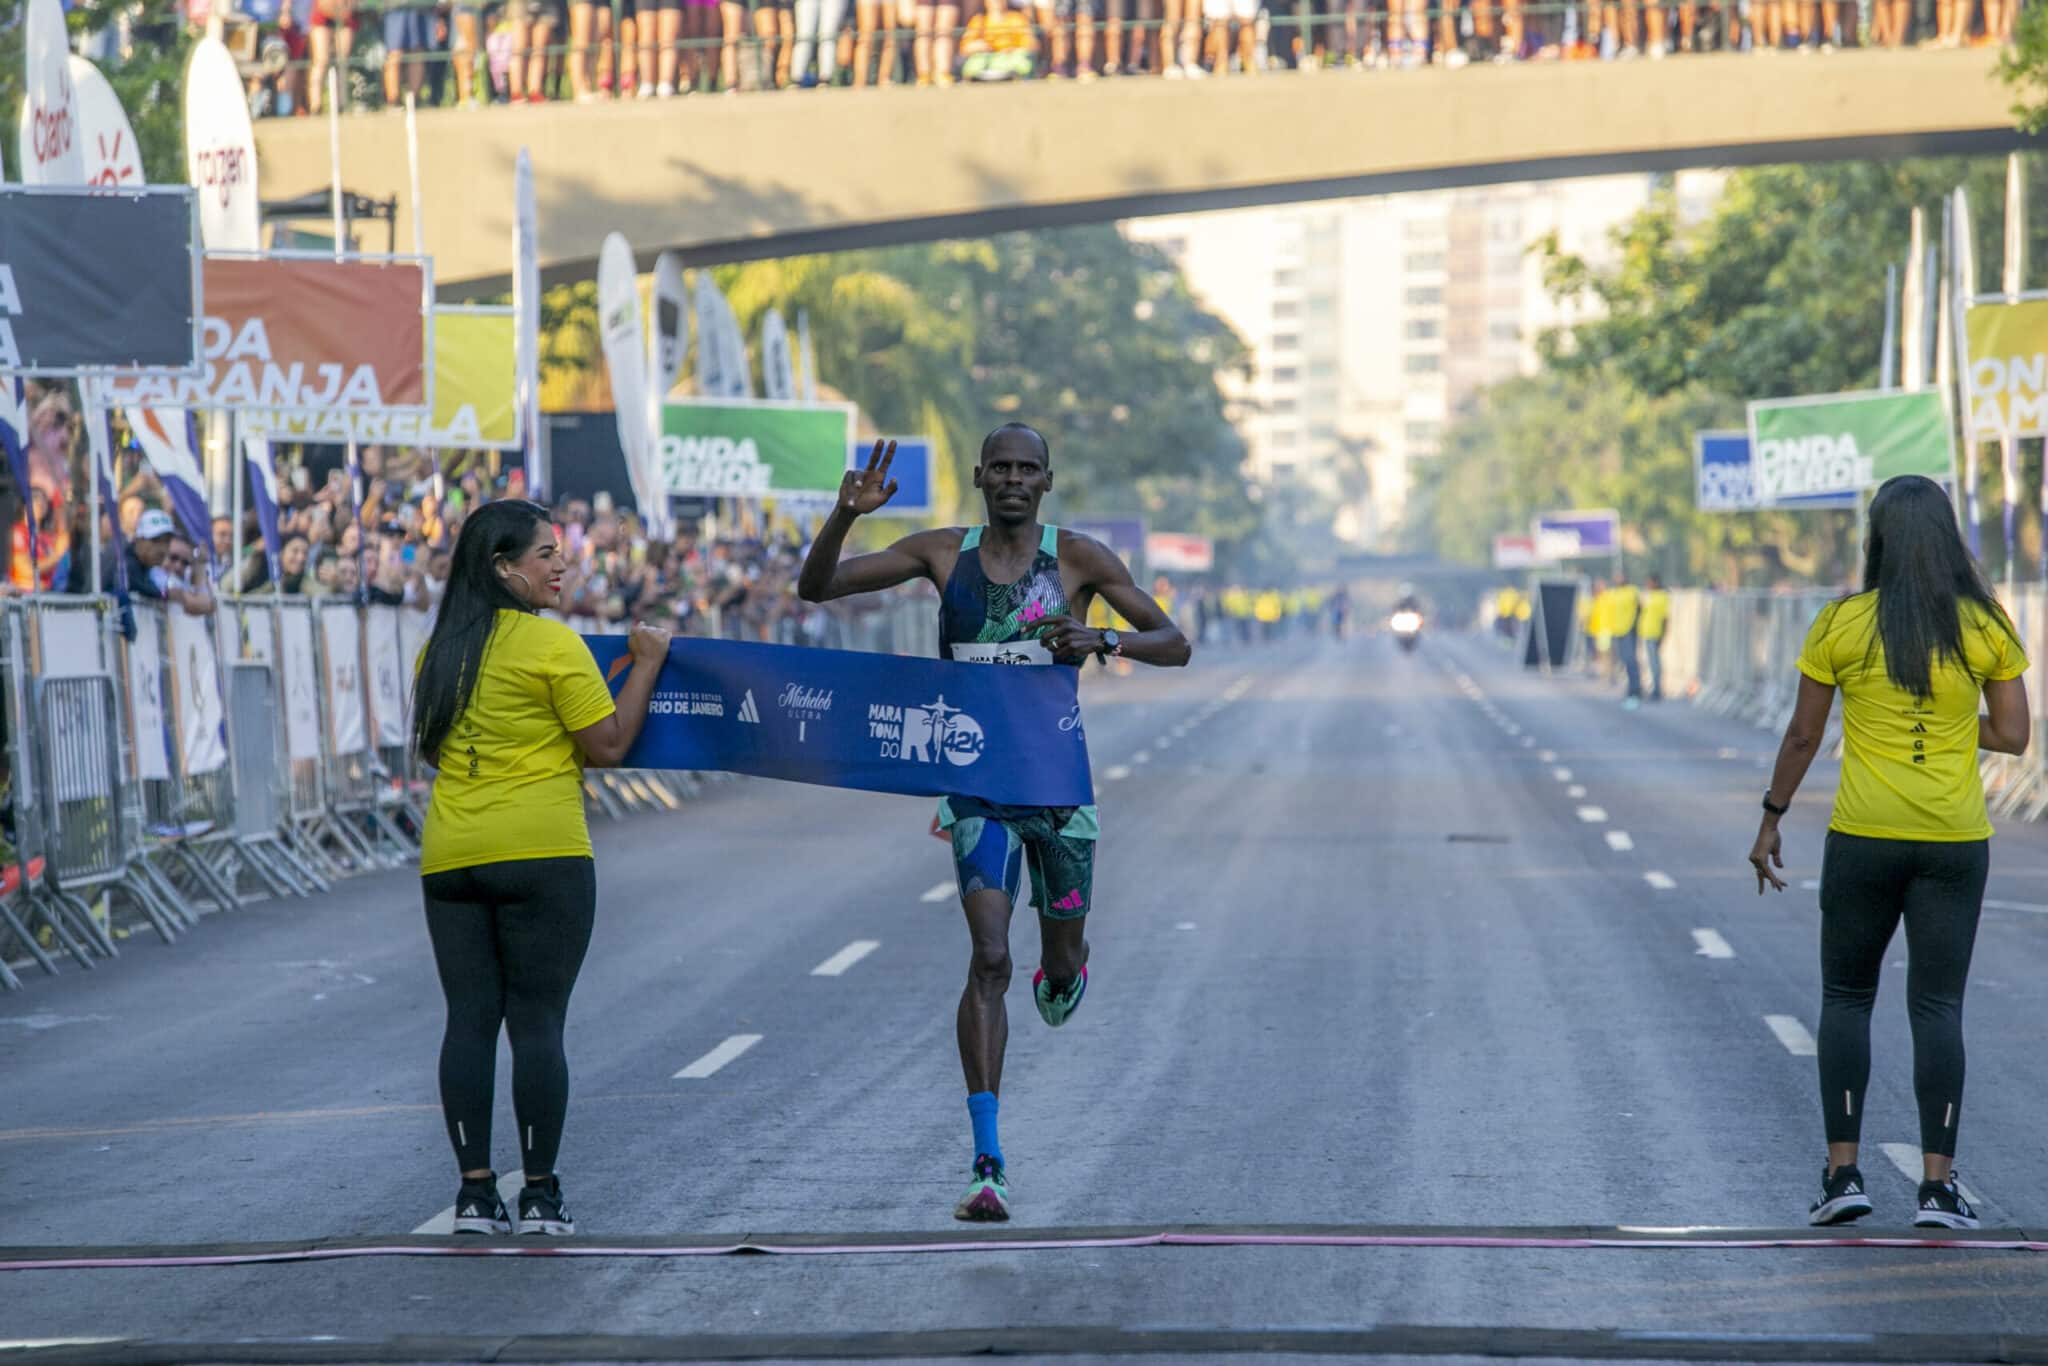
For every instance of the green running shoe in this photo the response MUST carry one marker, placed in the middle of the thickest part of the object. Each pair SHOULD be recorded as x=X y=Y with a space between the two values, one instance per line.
x=1054 y=1007
x=988 y=1200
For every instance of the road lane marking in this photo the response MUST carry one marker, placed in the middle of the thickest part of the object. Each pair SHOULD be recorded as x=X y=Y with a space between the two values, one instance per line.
x=1117 y=774
x=1593 y=815
x=2016 y=906
x=839 y=962
x=508 y=1190
x=1798 y=1042
x=1145 y=757
x=1575 y=792
x=1162 y=744
x=1660 y=882
x=1185 y=925
x=1712 y=945
x=718 y=1057
x=945 y=891
x=1906 y=1158
x=1619 y=842
x=1563 y=775
x=1548 y=756
x=1528 y=742
x=1512 y=729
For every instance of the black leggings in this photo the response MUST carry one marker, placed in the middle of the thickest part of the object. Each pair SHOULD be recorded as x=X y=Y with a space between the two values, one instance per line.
x=509 y=939
x=1866 y=887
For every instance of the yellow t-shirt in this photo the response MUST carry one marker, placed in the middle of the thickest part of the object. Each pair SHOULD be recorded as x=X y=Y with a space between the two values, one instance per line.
x=510 y=784
x=1909 y=770
x=1623 y=604
x=1656 y=612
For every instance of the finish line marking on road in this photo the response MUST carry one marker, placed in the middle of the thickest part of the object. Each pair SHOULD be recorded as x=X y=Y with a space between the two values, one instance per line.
x=1619 y=842
x=1593 y=815
x=944 y=891
x=1798 y=1042
x=1711 y=944
x=508 y=1191
x=1906 y=1158
x=1661 y=882
x=718 y=1057
x=1623 y=1238
x=839 y=962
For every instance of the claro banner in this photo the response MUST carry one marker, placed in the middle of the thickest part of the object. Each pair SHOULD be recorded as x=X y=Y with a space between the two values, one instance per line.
x=303 y=334
x=2008 y=354
x=753 y=450
x=1837 y=443
x=476 y=404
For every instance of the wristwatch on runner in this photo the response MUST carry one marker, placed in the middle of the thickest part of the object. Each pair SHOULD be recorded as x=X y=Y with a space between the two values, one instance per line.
x=1112 y=645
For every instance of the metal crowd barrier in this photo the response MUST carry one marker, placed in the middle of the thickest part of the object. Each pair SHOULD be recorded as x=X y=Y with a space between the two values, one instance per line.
x=262 y=749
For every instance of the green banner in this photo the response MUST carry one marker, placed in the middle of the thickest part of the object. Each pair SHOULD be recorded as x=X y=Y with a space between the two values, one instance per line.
x=1843 y=442
x=753 y=450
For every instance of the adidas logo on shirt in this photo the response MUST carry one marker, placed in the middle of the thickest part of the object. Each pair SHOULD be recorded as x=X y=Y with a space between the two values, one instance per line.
x=749 y=713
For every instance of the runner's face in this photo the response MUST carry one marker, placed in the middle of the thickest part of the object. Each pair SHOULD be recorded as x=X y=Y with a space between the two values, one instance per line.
x=1014 y=481
x=535 y=578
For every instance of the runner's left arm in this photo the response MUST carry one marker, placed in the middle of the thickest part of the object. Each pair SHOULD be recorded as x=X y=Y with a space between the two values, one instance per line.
x=1156 y=640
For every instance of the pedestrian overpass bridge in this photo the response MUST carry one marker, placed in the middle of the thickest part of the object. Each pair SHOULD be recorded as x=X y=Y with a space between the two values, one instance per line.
x=725 y=178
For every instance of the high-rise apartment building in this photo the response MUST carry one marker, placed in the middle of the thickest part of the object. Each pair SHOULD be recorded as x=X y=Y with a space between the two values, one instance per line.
x=1372 y=320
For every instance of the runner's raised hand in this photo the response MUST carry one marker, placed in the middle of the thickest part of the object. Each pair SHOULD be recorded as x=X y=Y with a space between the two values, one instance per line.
x=866 y=490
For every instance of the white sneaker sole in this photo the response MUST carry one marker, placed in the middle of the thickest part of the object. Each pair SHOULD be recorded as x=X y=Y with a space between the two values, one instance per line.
x=1932 y=1218
x=483 y=1226
x=547 y=1228
x=1841 y=1210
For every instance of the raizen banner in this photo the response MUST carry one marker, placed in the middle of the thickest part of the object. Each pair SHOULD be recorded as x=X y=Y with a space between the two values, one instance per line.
x=93 y=281
x=220 y=150
x=1576 y=535
x=1725 y=478
x=872 y=722
x=303 y=333
x=1840 y=443
x=476 y=396
x=753 y=450
x=2008 y=369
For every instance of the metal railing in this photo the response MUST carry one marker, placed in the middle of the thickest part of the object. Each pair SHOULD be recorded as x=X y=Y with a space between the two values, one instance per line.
x=260 y=750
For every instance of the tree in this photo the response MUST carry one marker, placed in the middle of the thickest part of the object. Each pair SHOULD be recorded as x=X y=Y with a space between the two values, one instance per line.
x=2024 y=68
x=147 y=72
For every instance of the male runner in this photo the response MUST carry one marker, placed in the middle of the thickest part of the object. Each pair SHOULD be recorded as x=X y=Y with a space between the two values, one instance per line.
x=1011 y=592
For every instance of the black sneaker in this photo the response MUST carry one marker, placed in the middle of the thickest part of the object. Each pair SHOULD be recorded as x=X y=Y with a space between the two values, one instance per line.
x=1842 y=1199
x=479 y=1210
x=541 y=1210
x=1942 y=1206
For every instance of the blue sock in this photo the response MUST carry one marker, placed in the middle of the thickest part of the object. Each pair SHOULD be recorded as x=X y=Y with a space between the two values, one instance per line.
x=981 y=1108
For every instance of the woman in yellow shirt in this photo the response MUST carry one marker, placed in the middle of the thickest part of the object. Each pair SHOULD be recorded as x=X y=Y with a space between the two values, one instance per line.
x=1910 y=839
x=509 y=707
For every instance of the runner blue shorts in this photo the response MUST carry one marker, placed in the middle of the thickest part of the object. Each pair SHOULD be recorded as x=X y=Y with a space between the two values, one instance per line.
x=991 y=854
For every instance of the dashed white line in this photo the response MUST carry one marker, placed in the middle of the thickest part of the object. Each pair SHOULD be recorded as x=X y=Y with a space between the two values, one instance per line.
x=1593 y=815
x=839 y=962
x=1729 y=752
x=1906 y=1158
x=1563 y=775
x=2016 y=906
x=508 y=1190
x=1712 y=945
x=1575 y=792
x=1548 y=756
x=1185 y=925
x=1117 y=774
x=1619 y=842
x=1163 y=743
x=945 y=891
x=1528 y=742
x=1144 y=757
x=1512 y=729
x=718 y=1057
x=1659 y=882
x=1798 y=1042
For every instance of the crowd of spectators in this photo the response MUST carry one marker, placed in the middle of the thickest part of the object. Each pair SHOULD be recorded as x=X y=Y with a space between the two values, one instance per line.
x=529 y=51
x=739 y=583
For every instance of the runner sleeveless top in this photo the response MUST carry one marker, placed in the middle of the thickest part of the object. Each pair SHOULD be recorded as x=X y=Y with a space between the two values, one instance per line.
x=983 y=622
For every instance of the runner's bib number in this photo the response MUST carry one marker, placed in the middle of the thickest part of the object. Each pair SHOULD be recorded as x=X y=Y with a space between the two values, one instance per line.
x=1015 y=652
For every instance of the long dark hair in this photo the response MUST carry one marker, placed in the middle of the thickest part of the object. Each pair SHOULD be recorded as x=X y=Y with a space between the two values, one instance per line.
x=1916 y=563
x=469 y=614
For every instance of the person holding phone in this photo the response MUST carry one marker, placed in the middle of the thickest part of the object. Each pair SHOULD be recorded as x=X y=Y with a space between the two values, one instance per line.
x=509 y=708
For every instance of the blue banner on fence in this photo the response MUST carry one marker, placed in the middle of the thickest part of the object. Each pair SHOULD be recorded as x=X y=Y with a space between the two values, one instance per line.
x=879 y=723
x=911 y=469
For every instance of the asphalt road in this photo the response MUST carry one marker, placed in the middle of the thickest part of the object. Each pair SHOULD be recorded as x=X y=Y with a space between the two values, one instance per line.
x=1380 y=940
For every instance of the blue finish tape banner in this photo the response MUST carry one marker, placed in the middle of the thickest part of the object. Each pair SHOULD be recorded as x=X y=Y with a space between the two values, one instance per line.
x=878 y=723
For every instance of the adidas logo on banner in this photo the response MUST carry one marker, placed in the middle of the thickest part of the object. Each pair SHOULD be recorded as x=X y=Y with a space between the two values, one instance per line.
x=749 y=713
